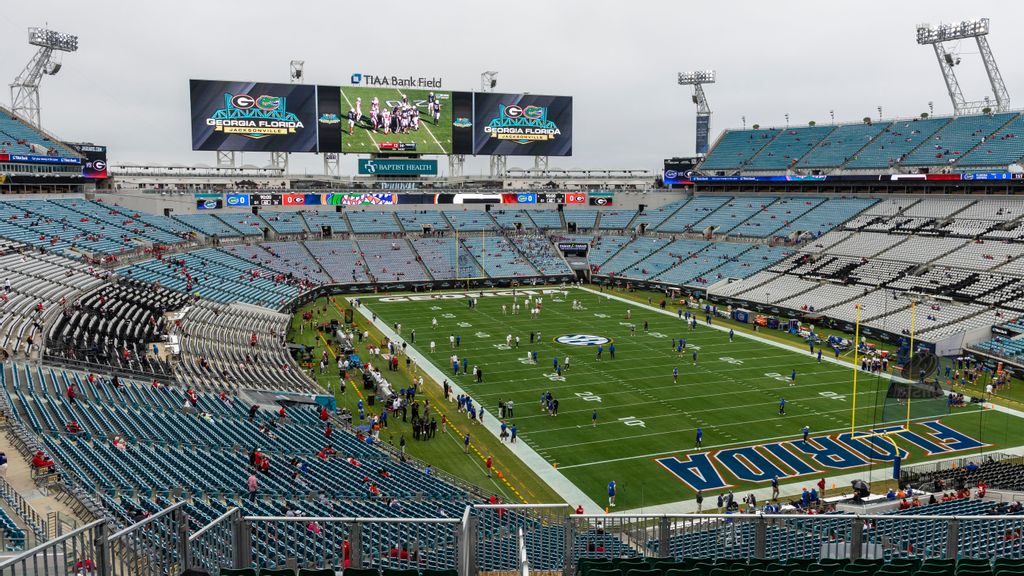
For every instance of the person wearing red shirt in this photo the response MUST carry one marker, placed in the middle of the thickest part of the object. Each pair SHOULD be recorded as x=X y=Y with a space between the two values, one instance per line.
x=72 y=394
x=324 y=415
x=42 y=462
x=328 y=431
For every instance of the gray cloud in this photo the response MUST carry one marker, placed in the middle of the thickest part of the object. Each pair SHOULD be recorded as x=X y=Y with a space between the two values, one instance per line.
x=127 y=85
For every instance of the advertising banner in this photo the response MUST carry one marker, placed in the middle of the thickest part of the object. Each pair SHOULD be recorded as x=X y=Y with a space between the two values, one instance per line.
x=253 y=117
x=397 y=167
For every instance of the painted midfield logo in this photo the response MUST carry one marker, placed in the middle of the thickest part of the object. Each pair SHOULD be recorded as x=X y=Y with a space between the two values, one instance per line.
x=582 y=340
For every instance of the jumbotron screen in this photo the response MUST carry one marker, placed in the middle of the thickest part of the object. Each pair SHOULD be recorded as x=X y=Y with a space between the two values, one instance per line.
x=253 y=116
x=395 y=121
x=522 y=125
x=267 y=117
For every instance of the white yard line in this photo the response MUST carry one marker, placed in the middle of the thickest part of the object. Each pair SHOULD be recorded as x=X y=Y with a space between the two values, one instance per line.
x=551 y=476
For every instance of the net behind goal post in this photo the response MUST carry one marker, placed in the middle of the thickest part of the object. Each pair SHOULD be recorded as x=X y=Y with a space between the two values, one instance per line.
x=926 y=398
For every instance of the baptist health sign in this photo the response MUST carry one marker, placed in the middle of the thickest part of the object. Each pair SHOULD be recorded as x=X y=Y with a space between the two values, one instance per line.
x=401 y=167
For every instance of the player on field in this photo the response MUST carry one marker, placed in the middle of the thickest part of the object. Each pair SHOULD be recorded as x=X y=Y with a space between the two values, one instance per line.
x=611 y=350
x=675 y=375
x=782 y=406
x=593 y=419
x=611 y=493
x=359 y=109
x=700 y=438
x=437 y=112
x=807 y=432
x=566 y=367
x=792 y=378
x=694 y=357
x=731 y=334
x=351 y=121
x=599 y=350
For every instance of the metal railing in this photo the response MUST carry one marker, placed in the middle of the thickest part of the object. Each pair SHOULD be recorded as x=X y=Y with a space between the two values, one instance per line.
x=33 y=519
x=82 y=550
x=216 y=545
x=524 y=560
x=331 y=542
x=156 y=546
x=509 y=538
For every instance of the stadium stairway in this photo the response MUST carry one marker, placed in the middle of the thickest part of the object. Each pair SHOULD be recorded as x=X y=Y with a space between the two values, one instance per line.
x=419 y=261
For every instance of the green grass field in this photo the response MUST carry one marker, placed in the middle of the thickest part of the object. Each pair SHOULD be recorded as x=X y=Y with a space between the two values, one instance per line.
x=429 y=139
x=732 y=392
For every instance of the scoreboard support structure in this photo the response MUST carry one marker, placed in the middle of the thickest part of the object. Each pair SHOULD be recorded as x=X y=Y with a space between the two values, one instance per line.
x=499 y=164
x=456 y=164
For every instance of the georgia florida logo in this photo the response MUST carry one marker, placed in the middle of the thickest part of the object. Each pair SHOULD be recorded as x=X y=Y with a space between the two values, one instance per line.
x=522 y=124
x=254 y=116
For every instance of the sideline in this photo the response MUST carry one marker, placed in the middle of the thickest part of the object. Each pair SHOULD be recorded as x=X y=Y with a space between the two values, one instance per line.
x=545 y=471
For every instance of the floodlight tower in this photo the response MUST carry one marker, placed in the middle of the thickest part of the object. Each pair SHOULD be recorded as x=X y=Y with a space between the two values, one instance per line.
x=977 y=29
x=697 y=80
x=25 y=88
x=488 y=82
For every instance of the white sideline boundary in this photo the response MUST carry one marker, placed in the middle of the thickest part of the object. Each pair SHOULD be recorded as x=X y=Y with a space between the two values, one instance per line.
x=565 y=488
x=568 y=490
x=762 y=494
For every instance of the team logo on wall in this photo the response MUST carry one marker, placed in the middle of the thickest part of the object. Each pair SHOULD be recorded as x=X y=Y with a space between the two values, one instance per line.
x=254 y=116
x=522 y=124
x=582 y=340
x=462 y=122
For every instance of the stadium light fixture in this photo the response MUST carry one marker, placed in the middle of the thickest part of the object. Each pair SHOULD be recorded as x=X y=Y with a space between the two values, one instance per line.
x=46 y=38
x=25 y=88
x=697 y=79
x=926 y=34
x=488 y=80
x=937 y=36
x=296 y=69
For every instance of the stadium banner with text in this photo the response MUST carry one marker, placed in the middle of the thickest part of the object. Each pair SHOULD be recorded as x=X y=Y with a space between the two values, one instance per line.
x=863 y=178
x=31 y=159
x=522 y=125
x=352 y=199
x=703 y=133
x=397 y=167
x=253 y=117
x=386 y=119
x=95 y=167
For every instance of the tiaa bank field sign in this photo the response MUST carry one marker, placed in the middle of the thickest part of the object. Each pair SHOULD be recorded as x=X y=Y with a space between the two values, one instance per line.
x=400 y=167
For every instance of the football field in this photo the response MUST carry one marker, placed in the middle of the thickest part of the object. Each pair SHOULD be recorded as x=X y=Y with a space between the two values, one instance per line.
x=429 y=138
x=644 y=437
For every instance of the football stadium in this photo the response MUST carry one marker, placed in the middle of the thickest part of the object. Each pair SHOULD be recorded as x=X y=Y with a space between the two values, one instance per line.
x=367 y=325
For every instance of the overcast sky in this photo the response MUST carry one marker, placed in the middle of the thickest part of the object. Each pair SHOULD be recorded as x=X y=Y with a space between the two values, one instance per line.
x=127 y=86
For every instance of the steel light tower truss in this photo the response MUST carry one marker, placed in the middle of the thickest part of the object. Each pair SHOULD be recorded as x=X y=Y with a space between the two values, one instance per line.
x=697 y=79
x=499 y=163
x=977 y=29
x=25 y=88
